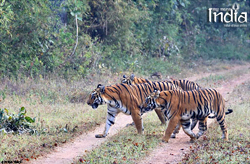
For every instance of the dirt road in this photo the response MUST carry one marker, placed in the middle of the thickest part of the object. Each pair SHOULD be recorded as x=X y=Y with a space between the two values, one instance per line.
x=167 y=153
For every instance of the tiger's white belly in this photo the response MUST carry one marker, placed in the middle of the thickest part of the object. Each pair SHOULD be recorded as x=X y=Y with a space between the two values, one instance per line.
x=118 y=106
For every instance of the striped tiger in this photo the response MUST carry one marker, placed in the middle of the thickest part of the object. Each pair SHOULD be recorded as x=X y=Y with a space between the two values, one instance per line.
x=181 y=106
x=134 y=80
x=123 y=98
x=185 y=85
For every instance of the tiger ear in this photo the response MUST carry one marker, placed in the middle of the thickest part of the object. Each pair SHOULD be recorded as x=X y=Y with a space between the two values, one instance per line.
x=155 y=89
x=102 y=89
x=132 y=76
x=98 y=86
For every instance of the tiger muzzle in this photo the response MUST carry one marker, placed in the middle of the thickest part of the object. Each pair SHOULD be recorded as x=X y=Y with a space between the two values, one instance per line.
x=95 y=105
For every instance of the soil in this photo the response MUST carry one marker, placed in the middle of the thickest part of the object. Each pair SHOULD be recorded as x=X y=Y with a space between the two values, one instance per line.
x=166 y=153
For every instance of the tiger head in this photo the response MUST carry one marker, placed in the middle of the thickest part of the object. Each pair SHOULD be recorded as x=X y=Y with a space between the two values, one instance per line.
x=150 y=102
x=128 y=80
x=95 y=98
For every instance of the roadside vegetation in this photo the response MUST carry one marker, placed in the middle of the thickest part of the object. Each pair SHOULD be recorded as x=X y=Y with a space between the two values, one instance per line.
x=59 y=111
x=16 y=123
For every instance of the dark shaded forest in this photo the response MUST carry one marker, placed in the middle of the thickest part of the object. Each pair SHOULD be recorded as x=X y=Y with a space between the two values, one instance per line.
x=76 y=37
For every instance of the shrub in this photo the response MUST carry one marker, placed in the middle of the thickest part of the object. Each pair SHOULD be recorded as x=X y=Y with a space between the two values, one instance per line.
x=16 y=123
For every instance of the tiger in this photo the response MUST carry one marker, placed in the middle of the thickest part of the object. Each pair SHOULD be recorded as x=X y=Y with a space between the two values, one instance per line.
x=181 y=106
x=181 y=84
x=134 y=80
x=186 y=85
x=123 y=98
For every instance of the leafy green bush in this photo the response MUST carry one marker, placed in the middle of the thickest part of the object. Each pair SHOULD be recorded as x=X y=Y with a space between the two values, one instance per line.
x=16 y=123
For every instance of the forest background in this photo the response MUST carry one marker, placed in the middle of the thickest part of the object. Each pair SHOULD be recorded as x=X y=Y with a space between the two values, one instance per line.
x=76 y=38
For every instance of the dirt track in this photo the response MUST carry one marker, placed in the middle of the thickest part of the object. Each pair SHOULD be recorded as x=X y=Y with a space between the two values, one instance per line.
x=167 y=153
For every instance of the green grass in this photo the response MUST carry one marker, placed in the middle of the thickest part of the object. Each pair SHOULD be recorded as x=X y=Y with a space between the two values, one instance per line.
x=55 y=124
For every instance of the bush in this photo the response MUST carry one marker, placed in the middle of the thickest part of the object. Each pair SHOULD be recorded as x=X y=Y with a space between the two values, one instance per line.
x=17 y=124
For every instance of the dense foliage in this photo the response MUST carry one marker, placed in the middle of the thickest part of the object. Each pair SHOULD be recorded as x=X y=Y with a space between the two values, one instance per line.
x=75 y=37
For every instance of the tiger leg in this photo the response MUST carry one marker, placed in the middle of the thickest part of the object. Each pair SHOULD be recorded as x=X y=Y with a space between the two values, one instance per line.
x=171 y=126
x=202 y=127
x=112 y=113
x=221 y=121
x=136 y=116
x=160 y=116
x=176 y=130
x=194 y=122
x=187 y=129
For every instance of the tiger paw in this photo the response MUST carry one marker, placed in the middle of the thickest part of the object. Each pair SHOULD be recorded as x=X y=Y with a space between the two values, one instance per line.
x=192 y=140
x=173 y=135
x=100 y=136
x=164 y=140
x=225 y=138
x=197 y=136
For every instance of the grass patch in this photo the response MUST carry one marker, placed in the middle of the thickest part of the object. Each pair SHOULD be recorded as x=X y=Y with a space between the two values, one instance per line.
x=127 y=146
x=57 y=120
x=56 y=124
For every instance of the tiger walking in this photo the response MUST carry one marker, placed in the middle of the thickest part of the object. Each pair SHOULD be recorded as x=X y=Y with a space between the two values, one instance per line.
x=123 y=98
x=185 y=85
x=181 y=106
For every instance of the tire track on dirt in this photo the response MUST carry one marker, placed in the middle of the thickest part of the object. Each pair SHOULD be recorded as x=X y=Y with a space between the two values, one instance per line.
x=86 y=142
x=173 y=151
